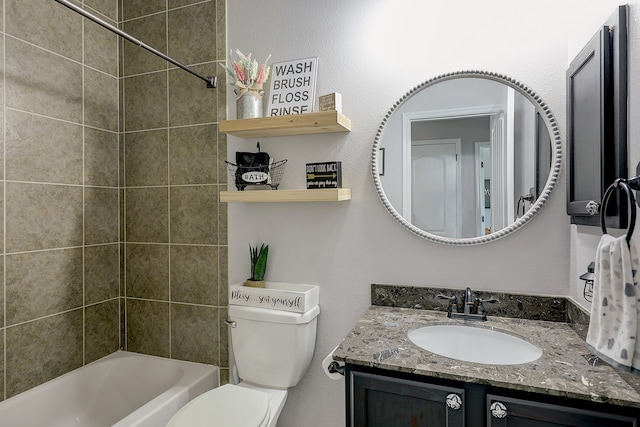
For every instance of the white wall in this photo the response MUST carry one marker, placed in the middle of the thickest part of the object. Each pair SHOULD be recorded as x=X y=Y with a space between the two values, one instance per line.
x=373 y=52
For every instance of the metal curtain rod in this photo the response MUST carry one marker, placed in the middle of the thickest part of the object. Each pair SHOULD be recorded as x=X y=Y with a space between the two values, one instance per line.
x=211 y=81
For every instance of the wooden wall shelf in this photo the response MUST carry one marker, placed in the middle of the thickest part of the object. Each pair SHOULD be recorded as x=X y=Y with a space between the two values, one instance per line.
x=315 y=195
x=295 y=124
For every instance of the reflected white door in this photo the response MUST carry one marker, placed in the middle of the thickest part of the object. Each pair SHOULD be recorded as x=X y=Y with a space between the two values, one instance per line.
x=434 y=186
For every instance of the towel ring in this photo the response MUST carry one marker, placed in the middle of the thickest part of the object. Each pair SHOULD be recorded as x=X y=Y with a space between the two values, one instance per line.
x=619 y=183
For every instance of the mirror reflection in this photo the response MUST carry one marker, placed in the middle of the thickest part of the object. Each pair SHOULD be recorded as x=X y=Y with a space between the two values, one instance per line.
x=465 y=157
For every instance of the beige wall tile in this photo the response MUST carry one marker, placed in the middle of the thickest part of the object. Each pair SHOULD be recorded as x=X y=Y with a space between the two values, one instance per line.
x=221 y=156
x=194 y=215
x=223 y=278
x=100 y=48
x=188 y=28
x=2 y=308
x=40 y=149
x=146 y=158
x=102 y=329
x=147 y=218
x=151 y=30
x=147 y=269
x=145 y=105
x=101 y=271
x=62 y=34
x=190 y=102
x=100 y=100
x=41 y=350
x=108 y=8
x=179 y=3
x=43 y=283
x=101 y=154
x=42 y=82
x=135 y=8
x=42 y=216
x=194 y=274
x=101 y=215
x=194 y=333
x=148 y=327
x=224 y=337
x=194 y=154
x=2 y=364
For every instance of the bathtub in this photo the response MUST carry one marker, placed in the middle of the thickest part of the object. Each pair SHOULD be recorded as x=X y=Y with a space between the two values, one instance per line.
x=122 y=389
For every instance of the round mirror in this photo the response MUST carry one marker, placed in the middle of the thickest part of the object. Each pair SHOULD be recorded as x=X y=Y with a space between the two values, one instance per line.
x=467 y=157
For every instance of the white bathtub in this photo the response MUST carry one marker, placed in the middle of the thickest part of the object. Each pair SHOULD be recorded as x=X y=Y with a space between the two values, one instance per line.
x=123 y=389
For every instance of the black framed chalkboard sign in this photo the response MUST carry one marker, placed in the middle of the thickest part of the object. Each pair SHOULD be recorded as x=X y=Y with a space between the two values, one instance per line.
x=597 y=124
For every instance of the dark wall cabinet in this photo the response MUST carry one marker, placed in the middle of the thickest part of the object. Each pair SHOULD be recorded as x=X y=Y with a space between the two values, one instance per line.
x=376 y=398
x=597 y=125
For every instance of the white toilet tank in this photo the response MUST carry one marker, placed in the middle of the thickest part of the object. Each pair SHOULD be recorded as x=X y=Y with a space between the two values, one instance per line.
x=272 y=348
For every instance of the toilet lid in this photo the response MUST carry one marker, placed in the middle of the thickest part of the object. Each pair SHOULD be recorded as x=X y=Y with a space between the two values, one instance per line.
x=228 y=405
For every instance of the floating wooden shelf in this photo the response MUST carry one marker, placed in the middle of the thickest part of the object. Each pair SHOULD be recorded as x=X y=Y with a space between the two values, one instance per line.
x=295 y=124
x=315 y=195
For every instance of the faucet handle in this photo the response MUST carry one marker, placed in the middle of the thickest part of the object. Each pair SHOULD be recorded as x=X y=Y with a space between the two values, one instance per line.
x=453 y=302
x=480 y=308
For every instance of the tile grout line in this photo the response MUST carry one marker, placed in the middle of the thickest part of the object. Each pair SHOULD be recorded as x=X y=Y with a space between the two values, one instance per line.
x=84 y=238
x=121 y=191
x=4 y=209
x=168 y=103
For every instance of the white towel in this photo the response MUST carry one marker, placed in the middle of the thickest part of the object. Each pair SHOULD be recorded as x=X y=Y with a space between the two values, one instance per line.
x=613 y=328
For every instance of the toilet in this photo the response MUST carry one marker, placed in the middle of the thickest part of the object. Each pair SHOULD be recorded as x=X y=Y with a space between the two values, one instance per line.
x=272 y=351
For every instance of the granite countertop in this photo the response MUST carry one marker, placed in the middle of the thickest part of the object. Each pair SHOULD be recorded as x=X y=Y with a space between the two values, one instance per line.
x=380 y=340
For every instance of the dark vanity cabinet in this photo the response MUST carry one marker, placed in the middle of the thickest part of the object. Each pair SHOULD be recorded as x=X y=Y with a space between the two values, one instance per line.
x=378 y=398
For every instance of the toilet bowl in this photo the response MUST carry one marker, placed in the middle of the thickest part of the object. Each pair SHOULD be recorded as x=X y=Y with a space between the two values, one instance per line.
x=272 y=350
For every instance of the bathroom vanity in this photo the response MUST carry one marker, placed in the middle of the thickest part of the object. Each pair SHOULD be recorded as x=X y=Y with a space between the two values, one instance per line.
x=392 y=382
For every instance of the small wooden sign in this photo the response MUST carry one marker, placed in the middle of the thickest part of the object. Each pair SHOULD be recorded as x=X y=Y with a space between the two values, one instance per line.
x=293 y=87
x=331 y=102
x=279 y=296
x=324 y=175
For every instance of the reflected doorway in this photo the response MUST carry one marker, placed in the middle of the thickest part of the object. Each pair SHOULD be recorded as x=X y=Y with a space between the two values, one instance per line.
x=483 y=186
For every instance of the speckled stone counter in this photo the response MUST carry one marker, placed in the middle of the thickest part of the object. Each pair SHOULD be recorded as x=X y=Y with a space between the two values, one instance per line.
x=380 y=340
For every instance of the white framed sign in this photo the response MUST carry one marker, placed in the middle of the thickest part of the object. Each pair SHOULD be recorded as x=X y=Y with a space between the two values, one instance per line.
x=293 y=87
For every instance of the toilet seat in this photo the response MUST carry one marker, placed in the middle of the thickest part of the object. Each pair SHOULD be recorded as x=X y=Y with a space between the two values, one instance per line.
x=228 y=405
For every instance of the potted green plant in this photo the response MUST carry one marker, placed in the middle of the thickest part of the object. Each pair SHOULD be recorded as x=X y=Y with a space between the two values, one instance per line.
x=258 y=266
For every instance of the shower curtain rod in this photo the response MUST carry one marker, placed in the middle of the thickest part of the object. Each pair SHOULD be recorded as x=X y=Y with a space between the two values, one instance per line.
x=211 y=81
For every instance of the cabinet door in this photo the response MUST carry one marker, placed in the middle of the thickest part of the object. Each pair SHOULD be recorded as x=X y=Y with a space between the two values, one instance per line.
x=597 y=125
x=506 y=412
x=379 y=401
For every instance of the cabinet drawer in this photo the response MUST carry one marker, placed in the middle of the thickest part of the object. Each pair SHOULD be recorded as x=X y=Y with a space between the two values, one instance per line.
x=507 y=412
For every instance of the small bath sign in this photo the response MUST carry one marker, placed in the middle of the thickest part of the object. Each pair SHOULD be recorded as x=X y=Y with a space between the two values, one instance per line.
x=279 y=296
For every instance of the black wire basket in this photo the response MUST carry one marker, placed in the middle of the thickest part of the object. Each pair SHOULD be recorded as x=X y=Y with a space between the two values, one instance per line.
x=244 y=176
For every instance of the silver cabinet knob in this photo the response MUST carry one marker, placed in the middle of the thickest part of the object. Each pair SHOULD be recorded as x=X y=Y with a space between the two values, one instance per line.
x=592 y=207
x=454 y=402
x=498 y=410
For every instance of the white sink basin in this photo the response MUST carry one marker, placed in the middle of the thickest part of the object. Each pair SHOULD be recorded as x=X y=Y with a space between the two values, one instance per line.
x=477 y=345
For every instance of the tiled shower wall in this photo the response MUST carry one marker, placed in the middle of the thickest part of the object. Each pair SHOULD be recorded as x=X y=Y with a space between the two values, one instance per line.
x=59 y=188
x=173 y=228
x=109 y=245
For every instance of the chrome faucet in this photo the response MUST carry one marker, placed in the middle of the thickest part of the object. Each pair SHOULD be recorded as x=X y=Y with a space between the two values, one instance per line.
x=468 y=301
